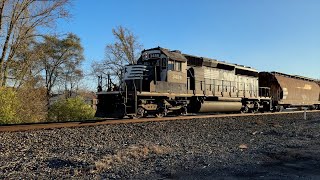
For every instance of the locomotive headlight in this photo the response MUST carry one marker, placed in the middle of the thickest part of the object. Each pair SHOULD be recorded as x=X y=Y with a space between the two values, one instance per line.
x=145 y=56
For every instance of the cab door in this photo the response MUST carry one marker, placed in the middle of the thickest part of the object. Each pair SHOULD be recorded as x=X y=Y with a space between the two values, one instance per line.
x=163 y=69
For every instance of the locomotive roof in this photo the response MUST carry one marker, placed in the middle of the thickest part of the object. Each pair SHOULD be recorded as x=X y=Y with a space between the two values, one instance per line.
x=198 y=61
x=213 y=63
x=175 y=55
x=294 y=76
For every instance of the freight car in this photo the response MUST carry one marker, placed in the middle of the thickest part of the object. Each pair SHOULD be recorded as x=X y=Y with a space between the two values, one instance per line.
x=168 y=82
x=291 y=91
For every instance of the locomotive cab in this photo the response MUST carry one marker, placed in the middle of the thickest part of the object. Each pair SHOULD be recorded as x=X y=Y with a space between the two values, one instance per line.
x=153 y=86
x=158 y=70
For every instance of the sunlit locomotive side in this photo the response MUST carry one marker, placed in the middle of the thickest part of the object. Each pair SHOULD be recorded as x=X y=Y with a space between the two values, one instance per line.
x=168 y=82
x=218 y=86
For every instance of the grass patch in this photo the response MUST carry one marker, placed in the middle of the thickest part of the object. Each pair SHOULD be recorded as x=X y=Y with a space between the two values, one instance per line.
x=130 y=154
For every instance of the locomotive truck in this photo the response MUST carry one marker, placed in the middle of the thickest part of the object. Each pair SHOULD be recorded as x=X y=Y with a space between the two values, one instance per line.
x=169 y=82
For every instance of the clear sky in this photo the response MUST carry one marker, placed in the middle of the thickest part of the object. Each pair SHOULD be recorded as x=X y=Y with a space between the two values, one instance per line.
x=269 y=35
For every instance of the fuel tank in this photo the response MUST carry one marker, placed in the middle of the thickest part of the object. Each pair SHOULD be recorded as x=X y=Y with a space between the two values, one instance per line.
x=216 y=106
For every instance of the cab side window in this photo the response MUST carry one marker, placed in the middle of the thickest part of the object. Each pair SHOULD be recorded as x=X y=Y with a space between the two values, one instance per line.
x=174 y=65
x=170 y=65
x=177 y=66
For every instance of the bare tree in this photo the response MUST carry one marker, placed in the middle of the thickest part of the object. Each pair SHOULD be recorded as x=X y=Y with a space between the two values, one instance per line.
x=125 y=50
x=19 y=23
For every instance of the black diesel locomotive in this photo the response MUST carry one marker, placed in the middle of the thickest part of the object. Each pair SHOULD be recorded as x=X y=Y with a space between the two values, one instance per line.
x=168 y=82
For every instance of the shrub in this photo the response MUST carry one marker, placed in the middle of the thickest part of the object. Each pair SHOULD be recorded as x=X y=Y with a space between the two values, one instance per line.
x=70 y=109
x=23 y=105
x=33 y=104
x=9 y=106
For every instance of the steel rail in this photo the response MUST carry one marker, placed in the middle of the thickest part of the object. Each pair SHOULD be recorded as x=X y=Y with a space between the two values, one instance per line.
x=71 y=124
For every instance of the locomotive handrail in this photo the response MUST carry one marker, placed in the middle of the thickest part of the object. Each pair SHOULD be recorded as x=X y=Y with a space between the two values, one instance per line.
x=135 y=98
x=253 y=91
x=264 y=91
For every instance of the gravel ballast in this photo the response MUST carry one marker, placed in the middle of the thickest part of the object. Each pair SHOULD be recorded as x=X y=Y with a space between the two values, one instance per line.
x=281 y=146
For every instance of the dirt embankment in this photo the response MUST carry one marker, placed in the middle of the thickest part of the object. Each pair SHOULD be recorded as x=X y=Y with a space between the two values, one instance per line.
x=273 y=146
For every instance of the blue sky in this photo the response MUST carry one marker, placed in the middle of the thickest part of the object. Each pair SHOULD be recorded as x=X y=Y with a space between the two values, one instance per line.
x=269 y=35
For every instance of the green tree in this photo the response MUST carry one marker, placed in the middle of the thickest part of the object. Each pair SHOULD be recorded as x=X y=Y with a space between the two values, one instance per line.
x=61 y=60
x=70 y=109
x=25 y=68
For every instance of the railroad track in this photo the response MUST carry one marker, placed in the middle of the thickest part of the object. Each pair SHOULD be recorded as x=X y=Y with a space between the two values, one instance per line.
x=55 y=125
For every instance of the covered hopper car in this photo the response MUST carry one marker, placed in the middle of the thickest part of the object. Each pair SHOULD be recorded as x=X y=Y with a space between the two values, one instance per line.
x=291 y=91
x=169 y=82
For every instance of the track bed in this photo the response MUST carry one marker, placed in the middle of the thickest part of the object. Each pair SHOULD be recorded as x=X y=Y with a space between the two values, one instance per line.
x=266 y=146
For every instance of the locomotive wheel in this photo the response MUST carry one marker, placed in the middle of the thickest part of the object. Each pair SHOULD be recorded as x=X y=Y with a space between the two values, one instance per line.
x=184 y=111
x=140 y=112
x=245 y=109
x=161 y=113
x=255 y=108
x=280 y=108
